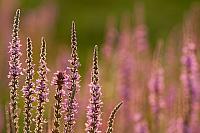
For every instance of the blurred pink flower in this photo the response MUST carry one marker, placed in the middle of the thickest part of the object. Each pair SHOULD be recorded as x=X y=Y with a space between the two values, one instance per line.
x=140 y=125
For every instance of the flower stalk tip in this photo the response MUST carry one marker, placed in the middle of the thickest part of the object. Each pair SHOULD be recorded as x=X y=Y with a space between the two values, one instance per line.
x=112 y=117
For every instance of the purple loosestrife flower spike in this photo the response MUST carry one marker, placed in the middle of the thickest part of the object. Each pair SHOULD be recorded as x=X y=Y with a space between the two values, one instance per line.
x=14 y=72
x=112 y=117
x=73 y=84
x=156 y=87
x=190 y=81
x=41 y=89
x=94 y=108
x=59 y=81
x=126 y=63
x=28 y=88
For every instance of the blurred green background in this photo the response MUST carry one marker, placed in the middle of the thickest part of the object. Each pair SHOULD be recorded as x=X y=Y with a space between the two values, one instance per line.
x=91 y=16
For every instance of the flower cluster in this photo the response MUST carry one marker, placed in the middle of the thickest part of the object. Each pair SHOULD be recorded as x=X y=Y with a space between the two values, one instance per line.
x=125 y=74
x=28 y=90
x=67 y=85
x=94 y=108
x=73 y=84
x=42 y=90
x=158 y=95
x=156 y=87
x=59 y=80
x=190 y=79
x=14 y=72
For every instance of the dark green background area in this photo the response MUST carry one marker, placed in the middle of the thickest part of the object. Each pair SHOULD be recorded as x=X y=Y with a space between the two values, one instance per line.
x=91 y=16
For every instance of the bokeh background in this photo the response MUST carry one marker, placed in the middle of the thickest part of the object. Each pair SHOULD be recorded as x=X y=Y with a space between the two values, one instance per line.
x=52 y=19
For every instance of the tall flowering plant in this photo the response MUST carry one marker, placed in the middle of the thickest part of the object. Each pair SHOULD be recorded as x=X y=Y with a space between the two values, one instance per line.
x=15 y=71
x=28 y=90
x=94 y=107
x=59 y=80
x=190 y=79
x=73 y=84
x=156 y=87
x=42 y=90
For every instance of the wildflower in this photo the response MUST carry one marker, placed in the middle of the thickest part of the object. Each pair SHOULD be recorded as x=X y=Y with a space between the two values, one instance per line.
x=59 y=81
x=190 y=80
x=156 y=89
x=14 y=72
x=42 y=89
x=125 y=73
x=94 y=108
x=73 y=84
x=28 y=88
